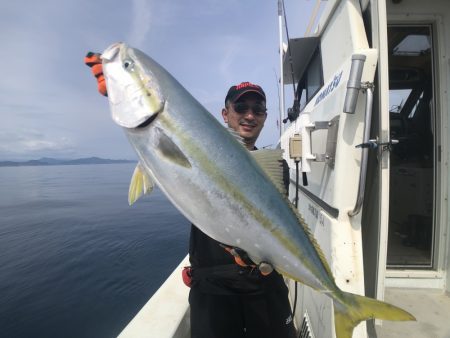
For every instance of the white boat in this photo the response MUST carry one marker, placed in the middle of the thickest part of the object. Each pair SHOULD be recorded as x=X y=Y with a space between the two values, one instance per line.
x=369 y=135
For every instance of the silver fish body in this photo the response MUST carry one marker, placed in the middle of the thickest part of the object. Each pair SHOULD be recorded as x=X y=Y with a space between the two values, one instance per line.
x=208 y=175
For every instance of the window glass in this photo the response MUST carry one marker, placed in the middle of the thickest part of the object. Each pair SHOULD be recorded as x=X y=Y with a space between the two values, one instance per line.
x=311 y=81
x=413 y=45
x=314 y=76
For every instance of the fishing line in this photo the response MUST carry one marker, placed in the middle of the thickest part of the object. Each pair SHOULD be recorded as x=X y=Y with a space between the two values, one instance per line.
x=296 y=205
x=296 y=162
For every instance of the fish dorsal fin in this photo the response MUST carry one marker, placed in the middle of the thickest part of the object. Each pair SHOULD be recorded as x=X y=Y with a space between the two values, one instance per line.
x=236 y=136
x=271 y=161
x=312 y=239
x=141 y=184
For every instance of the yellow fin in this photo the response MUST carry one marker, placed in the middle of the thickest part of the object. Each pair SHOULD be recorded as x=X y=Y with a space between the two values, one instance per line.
x=141 y=183
x=351 y=309
x=271 y=161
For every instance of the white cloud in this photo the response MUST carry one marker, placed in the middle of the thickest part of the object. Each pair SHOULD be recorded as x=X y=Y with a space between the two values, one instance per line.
x=141 y=22
x=21 y=142
x=231 y=46
x=48 y=97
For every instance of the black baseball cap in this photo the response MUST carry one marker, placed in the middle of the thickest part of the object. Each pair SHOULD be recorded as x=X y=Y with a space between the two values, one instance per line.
x=235 y=92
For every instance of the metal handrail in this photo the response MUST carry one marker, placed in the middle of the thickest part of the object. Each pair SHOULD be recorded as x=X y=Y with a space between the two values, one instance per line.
x=365 y=151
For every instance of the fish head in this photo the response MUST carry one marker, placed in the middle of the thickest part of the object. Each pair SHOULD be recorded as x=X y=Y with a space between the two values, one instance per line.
x=134 y=94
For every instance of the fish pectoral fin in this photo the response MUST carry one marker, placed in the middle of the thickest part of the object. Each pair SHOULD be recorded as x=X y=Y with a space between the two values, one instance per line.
x=170 y=151
x=141 y=184
x=271 y=161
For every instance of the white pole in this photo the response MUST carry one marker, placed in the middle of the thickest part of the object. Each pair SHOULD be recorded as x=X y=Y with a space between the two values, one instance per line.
x=280 y=26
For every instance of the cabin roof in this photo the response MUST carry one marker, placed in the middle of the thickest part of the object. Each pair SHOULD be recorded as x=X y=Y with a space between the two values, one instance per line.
x=300 y=51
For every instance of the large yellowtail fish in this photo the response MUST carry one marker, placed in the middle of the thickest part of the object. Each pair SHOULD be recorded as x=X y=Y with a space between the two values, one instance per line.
x=216 y=183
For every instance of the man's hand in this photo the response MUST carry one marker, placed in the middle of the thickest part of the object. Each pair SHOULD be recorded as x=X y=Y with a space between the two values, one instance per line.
x=242 y=259
x=94 y=61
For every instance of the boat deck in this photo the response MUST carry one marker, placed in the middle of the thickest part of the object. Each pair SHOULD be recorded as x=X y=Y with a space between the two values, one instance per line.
x=430 y=307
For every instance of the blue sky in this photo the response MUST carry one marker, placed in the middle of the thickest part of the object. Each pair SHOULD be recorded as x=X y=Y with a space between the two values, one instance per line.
x=49 y=105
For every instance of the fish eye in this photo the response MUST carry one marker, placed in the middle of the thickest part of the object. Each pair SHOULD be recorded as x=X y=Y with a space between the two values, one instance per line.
x=128 y=64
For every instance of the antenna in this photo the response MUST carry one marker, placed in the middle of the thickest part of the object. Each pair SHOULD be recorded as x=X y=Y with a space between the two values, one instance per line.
x=295 y=109
x=313 y=17
x=281 y=88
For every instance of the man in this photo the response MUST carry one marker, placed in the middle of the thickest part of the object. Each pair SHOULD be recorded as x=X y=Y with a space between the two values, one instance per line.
x=230 y=297
x=227 y=299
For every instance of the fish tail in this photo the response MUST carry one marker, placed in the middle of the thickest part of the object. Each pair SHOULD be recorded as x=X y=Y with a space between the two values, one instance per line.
x=351 y=309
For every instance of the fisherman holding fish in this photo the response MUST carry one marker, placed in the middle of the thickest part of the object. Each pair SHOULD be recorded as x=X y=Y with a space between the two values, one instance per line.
x=233 y=196
x=230 y=297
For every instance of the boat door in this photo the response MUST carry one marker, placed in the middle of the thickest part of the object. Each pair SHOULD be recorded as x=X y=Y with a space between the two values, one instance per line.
x=418 y=95
x=405 y=209
x=412 y=117
x=408 y=186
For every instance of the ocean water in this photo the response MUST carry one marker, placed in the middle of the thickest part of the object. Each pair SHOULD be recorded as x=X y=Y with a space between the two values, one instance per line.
x=75 y=259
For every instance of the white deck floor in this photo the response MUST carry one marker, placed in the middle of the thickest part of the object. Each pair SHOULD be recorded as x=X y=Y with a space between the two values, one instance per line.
x=430 y=307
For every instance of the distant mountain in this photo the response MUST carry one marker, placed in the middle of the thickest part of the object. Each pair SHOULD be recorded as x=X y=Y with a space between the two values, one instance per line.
x=54 y=161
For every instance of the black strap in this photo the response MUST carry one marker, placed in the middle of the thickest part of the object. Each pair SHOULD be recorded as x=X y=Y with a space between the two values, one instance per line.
x=229 y=271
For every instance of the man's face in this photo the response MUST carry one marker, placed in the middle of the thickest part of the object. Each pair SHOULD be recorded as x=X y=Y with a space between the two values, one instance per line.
x=246 y=116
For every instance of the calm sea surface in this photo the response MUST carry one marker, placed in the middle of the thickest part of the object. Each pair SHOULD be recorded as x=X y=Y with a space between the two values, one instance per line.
x=75 y=259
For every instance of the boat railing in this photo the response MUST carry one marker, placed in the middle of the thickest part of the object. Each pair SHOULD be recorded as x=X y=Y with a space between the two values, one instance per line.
x=166 y=314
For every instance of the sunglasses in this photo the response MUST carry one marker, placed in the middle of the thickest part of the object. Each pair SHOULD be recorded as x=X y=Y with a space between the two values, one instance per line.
x=258 y=109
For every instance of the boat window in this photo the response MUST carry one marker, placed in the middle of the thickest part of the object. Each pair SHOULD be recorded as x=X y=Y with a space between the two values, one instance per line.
x=311 y=81
x=302 y=95
x=314 y=74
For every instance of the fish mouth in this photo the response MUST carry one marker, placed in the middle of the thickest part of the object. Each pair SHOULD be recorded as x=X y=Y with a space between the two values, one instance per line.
x=112 y=51
x=147 y=122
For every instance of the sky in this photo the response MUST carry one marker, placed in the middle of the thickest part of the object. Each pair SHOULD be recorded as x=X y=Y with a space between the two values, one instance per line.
x=49 y=104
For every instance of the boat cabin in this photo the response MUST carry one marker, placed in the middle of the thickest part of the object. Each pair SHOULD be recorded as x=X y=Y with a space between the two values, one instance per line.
x=370 y=115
